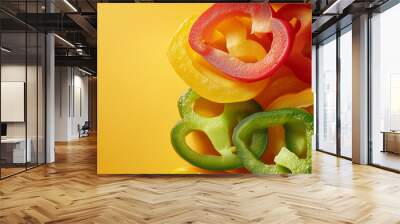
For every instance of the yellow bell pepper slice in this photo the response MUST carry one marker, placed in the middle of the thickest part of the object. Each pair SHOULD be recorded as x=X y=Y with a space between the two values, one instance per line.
x=203 y=78
x=301 y=99
x=237 y=43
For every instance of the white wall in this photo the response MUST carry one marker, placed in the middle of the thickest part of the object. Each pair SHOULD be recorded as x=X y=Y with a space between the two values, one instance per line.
x=50 y=94
x=360 y=89
x=62 y=82
x=81 y=103
x=71 y=102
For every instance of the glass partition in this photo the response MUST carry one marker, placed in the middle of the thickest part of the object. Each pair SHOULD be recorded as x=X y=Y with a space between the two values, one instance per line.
x=14 y=153
x=385 y=89
x=326 y=136
x=345 y=92
x=41 y=107
x=32 y=95
x=22 y=77
x=314 y=86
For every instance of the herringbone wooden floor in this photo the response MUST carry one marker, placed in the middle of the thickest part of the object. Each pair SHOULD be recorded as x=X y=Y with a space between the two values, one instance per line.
x=69 y=191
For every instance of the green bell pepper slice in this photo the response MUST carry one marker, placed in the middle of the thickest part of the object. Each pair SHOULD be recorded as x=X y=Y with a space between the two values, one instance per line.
x=219 y=130
x=286 y=161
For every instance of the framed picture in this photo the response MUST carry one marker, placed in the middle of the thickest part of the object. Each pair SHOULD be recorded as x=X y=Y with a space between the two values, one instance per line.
x=195 y=88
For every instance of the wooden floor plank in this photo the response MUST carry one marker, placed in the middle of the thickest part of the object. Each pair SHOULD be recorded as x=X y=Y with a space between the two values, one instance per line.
x=70 y=191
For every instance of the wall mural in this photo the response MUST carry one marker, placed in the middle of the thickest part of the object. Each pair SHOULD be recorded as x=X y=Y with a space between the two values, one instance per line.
x=204 y=88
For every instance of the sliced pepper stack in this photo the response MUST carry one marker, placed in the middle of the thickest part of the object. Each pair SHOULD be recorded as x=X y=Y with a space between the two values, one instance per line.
x=246 y=56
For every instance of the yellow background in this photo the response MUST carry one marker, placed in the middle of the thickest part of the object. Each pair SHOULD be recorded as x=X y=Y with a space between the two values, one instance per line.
x=137 y=88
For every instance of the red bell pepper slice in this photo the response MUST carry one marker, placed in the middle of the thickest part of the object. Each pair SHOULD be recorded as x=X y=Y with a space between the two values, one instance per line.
x=262 y=22
x=300 y=58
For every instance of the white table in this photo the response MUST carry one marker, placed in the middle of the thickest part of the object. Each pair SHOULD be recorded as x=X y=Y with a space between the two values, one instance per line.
x=18 y=149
